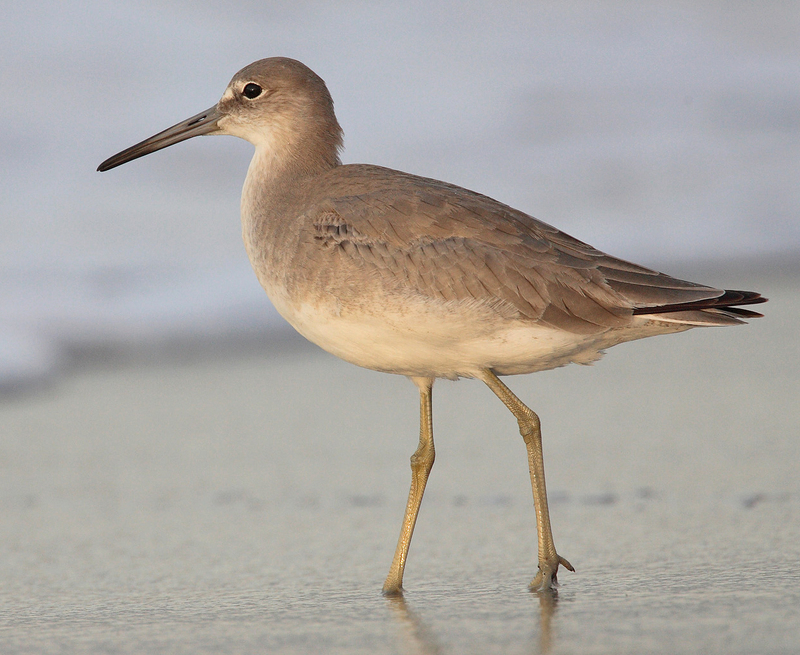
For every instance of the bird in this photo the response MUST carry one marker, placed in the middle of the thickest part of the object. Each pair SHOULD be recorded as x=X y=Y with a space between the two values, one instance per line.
x=417 y=277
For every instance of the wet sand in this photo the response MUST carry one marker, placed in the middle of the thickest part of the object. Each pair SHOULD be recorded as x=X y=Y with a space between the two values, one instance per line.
x=251 y=503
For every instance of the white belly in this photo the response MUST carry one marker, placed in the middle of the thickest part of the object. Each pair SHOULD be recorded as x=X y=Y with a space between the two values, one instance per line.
x=431 y=340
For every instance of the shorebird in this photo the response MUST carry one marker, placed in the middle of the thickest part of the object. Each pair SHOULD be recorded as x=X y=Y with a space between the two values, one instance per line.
x=417 y=277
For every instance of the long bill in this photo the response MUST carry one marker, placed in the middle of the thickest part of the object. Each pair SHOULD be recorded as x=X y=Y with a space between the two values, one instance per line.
x=203 y=123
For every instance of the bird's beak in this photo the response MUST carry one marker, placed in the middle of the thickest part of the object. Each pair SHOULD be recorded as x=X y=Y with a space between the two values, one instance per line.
x=203 y=123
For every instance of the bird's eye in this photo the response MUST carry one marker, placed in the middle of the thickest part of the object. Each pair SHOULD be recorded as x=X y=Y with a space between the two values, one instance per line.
x=251 y=90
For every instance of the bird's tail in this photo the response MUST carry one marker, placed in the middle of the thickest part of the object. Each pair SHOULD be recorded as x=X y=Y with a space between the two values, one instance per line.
x=725 y=309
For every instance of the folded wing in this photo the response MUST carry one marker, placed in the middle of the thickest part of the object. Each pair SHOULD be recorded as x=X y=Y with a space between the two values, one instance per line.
x=454 y=245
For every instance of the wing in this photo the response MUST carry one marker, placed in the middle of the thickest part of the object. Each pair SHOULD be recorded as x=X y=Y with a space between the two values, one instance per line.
x=451 y=244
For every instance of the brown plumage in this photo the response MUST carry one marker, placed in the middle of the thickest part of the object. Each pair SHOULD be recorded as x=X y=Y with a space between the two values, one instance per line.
x=456 y=245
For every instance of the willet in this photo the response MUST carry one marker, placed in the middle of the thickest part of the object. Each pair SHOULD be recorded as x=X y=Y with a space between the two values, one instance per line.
x=417 y=277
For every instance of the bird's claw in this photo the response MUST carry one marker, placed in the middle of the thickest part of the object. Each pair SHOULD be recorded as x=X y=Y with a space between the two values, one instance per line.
x=546 y=578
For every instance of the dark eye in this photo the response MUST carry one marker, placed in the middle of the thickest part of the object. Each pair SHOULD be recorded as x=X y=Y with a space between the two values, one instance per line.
x=251 y=90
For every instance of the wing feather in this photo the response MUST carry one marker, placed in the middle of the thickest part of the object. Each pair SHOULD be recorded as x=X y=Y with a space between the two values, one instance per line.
x=448 y=243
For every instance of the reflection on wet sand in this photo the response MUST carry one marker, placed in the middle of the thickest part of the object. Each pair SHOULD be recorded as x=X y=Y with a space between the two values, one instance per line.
x=548 y=599
x=418 y=633
x=416 y=630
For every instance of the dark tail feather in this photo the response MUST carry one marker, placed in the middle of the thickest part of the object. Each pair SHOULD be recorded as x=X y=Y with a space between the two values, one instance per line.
x=729 y=301
x=744 y=313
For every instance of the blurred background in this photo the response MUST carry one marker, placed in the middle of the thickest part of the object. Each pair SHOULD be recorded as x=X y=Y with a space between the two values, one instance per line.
x=663 y=132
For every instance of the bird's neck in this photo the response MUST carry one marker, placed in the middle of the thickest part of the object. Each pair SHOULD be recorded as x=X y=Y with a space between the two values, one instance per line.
x=288 y=154
x=287 y=158
x=273 y=189
x=277 y=174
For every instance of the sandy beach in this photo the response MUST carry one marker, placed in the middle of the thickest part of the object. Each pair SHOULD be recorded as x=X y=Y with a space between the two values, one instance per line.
x=250 y=502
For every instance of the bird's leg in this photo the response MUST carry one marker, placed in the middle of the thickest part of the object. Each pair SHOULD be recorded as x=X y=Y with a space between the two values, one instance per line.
x=530 y=430
x=421 y=465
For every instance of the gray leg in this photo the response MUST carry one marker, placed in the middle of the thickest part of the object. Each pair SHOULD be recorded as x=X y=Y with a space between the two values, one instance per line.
x=529 y=428
x=421 y=465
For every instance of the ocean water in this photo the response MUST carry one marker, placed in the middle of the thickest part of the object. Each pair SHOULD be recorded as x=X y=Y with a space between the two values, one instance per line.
x=661 y=132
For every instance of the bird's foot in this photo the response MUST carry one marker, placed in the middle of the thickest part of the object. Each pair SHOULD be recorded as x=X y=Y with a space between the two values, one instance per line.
x=546 y=578
x=392 y=591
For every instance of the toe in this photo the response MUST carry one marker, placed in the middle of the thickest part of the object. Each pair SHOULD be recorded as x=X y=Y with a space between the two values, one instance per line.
x=547 y=577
